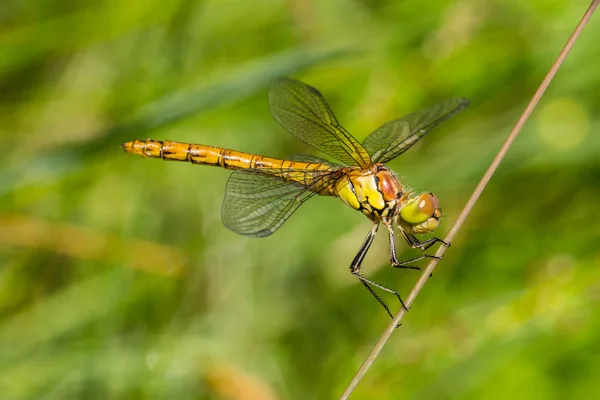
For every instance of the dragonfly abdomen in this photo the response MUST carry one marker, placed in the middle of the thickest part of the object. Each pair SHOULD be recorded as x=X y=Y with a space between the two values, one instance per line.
x=194 y=153
x=287 y=170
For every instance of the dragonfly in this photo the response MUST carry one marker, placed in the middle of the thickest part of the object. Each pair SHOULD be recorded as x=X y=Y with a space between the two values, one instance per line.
x=263 y=192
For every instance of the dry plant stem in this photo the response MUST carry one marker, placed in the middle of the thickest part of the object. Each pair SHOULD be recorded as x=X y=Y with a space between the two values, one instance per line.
x=471 y=202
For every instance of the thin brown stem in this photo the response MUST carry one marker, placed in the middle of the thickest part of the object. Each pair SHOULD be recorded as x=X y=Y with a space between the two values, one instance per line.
x=471 y=202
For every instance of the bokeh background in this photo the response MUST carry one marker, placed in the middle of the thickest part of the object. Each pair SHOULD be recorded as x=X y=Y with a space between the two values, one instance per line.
x=118 y=280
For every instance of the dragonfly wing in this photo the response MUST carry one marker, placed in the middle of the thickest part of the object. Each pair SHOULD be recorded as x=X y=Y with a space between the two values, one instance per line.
x=395 y=137
x=258 y=203
x=314 y=159
x=302 y=110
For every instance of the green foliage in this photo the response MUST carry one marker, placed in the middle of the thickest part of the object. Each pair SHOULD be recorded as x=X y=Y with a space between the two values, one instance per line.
x=118 y=280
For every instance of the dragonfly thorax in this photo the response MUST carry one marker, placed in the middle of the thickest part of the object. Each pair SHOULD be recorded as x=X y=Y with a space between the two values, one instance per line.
x=376 y=192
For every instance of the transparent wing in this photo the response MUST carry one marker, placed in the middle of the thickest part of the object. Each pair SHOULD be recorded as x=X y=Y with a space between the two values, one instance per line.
x=395 y=137
x=314 y=159
x=257 y=202
x=302 y=110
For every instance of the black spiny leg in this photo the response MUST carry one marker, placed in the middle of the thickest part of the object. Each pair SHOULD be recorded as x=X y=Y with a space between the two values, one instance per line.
x=415 y=243
x=393 y=260
x=355 y=270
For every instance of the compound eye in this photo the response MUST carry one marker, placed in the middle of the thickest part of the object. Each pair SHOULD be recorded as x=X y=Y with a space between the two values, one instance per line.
x=428 y=204
x=420 y=208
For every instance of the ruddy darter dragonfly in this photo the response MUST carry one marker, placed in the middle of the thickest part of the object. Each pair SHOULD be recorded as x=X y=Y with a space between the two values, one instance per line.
x=263 y=192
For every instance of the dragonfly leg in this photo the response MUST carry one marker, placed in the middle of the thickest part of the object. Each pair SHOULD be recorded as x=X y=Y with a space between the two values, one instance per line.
x=355 y=270
x=406 y=263
x=427 y=243
x=379 y=299
x=417 y=244
x=414 y=243
x=393 y=259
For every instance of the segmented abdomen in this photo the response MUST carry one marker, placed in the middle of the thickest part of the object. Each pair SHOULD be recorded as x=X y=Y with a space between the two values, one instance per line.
x=301 y=172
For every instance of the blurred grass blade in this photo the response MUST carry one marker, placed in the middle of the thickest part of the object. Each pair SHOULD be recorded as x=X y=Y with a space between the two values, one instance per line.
x=59 y=314
x=87 y=244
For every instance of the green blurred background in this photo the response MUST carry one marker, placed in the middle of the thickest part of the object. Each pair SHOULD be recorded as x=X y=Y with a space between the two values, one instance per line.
x=118 y=280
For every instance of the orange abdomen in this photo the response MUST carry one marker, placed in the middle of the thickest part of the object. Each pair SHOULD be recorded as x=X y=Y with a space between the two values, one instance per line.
x=229 y=159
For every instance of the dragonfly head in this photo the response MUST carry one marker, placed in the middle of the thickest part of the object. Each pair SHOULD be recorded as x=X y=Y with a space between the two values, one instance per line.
x=420 y=214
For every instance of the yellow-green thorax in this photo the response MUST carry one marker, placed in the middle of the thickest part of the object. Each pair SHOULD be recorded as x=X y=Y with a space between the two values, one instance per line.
x=376 y=192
